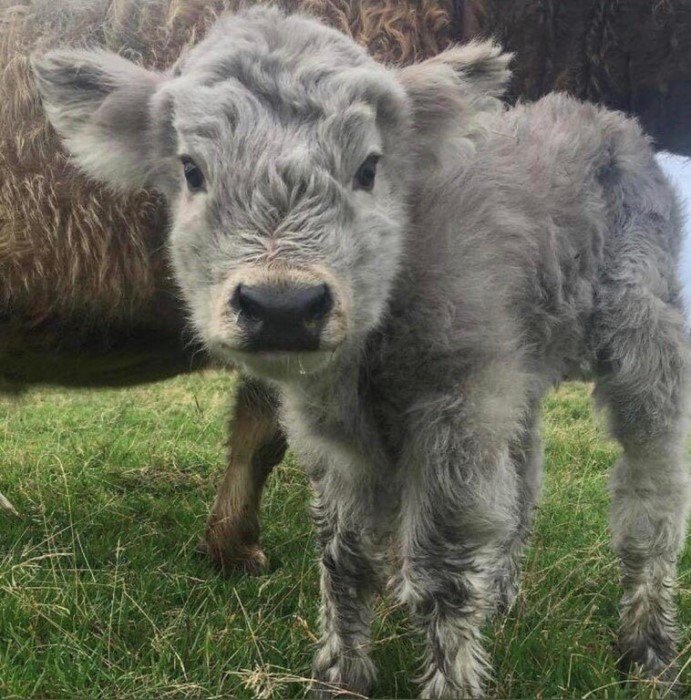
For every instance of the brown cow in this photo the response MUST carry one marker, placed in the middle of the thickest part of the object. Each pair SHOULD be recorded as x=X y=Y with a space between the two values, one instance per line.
x=86 y=297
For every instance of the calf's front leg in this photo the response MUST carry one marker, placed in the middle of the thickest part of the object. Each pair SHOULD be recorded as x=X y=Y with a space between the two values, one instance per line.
x=350 y=577
x=460 y=512
x=256 y=445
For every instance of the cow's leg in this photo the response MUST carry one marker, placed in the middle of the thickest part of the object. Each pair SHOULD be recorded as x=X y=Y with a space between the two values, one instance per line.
x=459 y=515
x=350 y=577
x=257 y=445
x=643 y=356
x=526 y=455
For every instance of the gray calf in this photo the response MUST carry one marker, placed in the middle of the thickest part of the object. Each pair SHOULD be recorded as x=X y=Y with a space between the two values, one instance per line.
x=413 y=278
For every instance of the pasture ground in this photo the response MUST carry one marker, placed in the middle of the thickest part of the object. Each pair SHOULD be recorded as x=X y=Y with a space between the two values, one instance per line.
x=102 y=594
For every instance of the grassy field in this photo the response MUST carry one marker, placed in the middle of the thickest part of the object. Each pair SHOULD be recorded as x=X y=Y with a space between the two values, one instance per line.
x=102 y=594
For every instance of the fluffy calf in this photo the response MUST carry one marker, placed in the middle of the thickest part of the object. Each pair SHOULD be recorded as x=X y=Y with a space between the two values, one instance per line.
x=412 y=281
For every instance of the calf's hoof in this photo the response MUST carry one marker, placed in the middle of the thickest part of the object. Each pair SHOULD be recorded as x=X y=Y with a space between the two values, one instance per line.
x=648 y=640
x=661 y=672
x=341 y=676
x=440 y=687
x=231 y=551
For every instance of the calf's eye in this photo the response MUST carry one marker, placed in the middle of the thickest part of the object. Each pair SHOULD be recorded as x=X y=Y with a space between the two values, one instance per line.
x=366 y=173
x=193 y=175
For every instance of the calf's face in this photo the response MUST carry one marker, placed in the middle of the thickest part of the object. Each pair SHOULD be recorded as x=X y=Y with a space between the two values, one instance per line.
x=286 y=156
x=290 y=188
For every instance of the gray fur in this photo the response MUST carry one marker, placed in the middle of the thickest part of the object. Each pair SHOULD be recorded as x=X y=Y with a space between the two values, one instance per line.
x=499 y=253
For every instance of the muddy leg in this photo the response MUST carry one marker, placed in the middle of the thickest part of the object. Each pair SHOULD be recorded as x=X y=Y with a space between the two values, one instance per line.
x=350 y=577
x=460 y=510
x=257 y=445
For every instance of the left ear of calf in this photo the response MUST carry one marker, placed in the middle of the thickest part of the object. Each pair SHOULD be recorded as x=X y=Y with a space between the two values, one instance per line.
x=483 y=66
x=450 y=90
x=100 y=104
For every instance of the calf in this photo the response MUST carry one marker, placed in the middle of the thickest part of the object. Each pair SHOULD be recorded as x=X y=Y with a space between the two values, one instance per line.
x=411 y=293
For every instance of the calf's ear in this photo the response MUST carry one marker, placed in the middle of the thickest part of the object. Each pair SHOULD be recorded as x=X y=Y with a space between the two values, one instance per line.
x=456 y=87
x=100 y=104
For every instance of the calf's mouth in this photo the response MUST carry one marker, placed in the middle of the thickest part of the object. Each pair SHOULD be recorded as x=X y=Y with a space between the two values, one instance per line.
x=280 y=322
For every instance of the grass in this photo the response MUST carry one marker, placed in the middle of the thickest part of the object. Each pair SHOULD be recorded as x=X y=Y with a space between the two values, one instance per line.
x=102 y=595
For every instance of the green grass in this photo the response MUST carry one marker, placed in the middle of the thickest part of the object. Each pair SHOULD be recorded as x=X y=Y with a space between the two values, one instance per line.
x=102 y=594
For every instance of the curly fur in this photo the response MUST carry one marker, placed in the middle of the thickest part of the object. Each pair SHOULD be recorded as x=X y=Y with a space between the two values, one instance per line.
x=85 y=291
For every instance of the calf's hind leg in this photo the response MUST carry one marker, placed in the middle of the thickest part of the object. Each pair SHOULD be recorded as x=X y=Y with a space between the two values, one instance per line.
x=643 y=384
x=526 y=455
x=257 y=445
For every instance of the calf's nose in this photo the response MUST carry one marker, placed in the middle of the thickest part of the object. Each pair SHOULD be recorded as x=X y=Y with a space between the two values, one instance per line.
x=282 y=318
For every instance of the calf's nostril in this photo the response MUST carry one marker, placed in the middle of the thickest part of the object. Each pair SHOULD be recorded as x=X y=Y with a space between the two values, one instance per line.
x=284 y=318
x=319 y=303
x=248 y=302
x=302 y=304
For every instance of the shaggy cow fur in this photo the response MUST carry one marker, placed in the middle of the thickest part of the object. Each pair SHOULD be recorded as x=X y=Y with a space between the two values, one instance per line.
x=436 y=285
x=631 y=55
x=85 y=292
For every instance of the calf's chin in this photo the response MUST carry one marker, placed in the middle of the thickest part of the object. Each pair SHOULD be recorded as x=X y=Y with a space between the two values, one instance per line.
x=283 y=367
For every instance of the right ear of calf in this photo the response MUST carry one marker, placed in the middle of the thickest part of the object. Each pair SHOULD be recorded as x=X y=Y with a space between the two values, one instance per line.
x=100 y=104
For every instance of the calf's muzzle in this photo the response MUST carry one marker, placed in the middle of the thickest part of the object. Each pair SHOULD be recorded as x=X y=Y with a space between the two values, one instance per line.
x=281 y=319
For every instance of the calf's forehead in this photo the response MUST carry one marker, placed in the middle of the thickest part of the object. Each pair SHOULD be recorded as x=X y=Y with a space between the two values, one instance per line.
x=228 y=120
x=290 y=76
x=263 y=39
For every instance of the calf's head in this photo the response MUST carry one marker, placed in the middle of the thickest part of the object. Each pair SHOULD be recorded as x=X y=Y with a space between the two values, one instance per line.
x=286 y=155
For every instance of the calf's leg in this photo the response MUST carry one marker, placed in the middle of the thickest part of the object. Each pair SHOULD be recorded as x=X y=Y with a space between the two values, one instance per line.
x=526 y=455
x=643 y=383
x=459 y=516
x=350 y=577
x=257 y=445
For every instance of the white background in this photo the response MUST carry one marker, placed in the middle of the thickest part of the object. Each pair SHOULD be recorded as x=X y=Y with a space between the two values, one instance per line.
x=679 y=171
